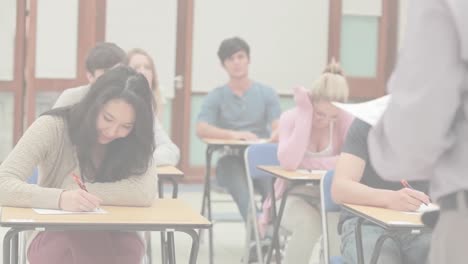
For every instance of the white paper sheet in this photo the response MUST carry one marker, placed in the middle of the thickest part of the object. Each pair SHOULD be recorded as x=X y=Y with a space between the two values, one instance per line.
x=369 y=112
x=311 y=171
x=62 y=212
x=424 y=208
x=258 y=141
x=427 y=208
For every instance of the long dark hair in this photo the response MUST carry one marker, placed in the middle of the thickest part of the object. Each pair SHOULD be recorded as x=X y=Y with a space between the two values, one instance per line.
x=126 y=156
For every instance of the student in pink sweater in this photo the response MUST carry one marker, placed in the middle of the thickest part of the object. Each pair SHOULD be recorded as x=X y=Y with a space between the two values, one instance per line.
x=310 y=137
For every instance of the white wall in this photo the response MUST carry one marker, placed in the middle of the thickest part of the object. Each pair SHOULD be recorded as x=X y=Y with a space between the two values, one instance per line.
x=362 y=7
x=57 y=39
x=150 y=25
x=288 y=40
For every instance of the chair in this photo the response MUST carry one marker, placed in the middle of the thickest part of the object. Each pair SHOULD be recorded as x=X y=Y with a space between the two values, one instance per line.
x=327 y=206
x=254 y=155
x=34 y=177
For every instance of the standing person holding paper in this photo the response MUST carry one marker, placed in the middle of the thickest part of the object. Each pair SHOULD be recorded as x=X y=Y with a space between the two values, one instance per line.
x=424 y=132
x=108 y=139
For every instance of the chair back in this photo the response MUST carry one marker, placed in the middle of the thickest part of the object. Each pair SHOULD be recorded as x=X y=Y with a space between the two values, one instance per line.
x=325 y=190
x=260 y=154
x=327 y=206
x=254 y=155
x=34 y=177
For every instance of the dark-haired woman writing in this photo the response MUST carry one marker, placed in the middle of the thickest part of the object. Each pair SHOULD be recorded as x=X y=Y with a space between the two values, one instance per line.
x=107 y=139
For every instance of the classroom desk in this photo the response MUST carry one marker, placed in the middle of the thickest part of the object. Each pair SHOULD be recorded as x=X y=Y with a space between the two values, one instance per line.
x=295 y=178
x=214 y=145
x=390 y=220
x=163 y=215
x=172 y=175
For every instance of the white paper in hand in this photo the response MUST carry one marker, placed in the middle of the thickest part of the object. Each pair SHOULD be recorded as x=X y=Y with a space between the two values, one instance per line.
x=369 y=112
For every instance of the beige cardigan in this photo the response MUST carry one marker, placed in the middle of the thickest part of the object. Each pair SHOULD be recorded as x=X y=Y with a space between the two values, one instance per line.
x=46 y=144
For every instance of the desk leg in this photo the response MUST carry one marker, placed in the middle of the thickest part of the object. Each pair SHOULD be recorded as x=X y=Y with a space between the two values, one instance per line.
x=359 y=249
x=275 y=243
x=10 y=246
x=175 y=187
x=378 y=247
x=163 y=236
x=171 y=247
x=6 y=248
x=195 y=245
x=147 y=235
x=160 y=188
x=14 y=249
x=175 y=190
x=206 y=202
x=163 y=248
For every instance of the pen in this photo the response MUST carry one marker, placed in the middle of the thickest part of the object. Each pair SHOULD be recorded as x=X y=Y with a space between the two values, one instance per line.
x=79 y=182
x=407 y=185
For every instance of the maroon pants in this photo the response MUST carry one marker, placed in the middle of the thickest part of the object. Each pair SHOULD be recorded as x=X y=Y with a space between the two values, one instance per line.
x=77 y=247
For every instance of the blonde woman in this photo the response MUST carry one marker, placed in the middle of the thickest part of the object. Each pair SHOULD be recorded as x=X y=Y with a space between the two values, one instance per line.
x=142 y=62
x=167 y=153
x=310 y=137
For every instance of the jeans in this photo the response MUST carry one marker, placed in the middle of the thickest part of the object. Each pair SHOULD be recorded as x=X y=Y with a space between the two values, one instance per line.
x=410 y=249
x=304 y=222
x=230 y=174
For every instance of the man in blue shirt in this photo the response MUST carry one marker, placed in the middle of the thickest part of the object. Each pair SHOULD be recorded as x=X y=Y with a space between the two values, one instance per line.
x=242 y=109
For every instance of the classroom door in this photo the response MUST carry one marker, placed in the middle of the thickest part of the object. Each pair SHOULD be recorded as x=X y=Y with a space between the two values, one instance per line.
x=59 y=37
x=12 y=33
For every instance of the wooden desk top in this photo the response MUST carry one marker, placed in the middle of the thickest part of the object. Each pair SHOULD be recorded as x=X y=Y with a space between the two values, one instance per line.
x=385 y=217
x=169 y=213
x=170 y=171
x=292 y=175
x=230 y=142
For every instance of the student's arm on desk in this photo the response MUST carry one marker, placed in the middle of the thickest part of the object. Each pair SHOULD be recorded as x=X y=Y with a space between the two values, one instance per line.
x=346 y=188
x=138 y=190
x=205 y=130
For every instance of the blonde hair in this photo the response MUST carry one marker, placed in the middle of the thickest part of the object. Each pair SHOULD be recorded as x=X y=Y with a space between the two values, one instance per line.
x=331 y=85
x=155 y=83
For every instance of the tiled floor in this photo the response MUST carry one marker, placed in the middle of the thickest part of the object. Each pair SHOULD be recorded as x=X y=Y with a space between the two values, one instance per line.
x=229 y=236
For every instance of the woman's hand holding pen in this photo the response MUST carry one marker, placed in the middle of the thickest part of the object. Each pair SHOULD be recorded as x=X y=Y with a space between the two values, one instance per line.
x=79 y=201
x=406 y=199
